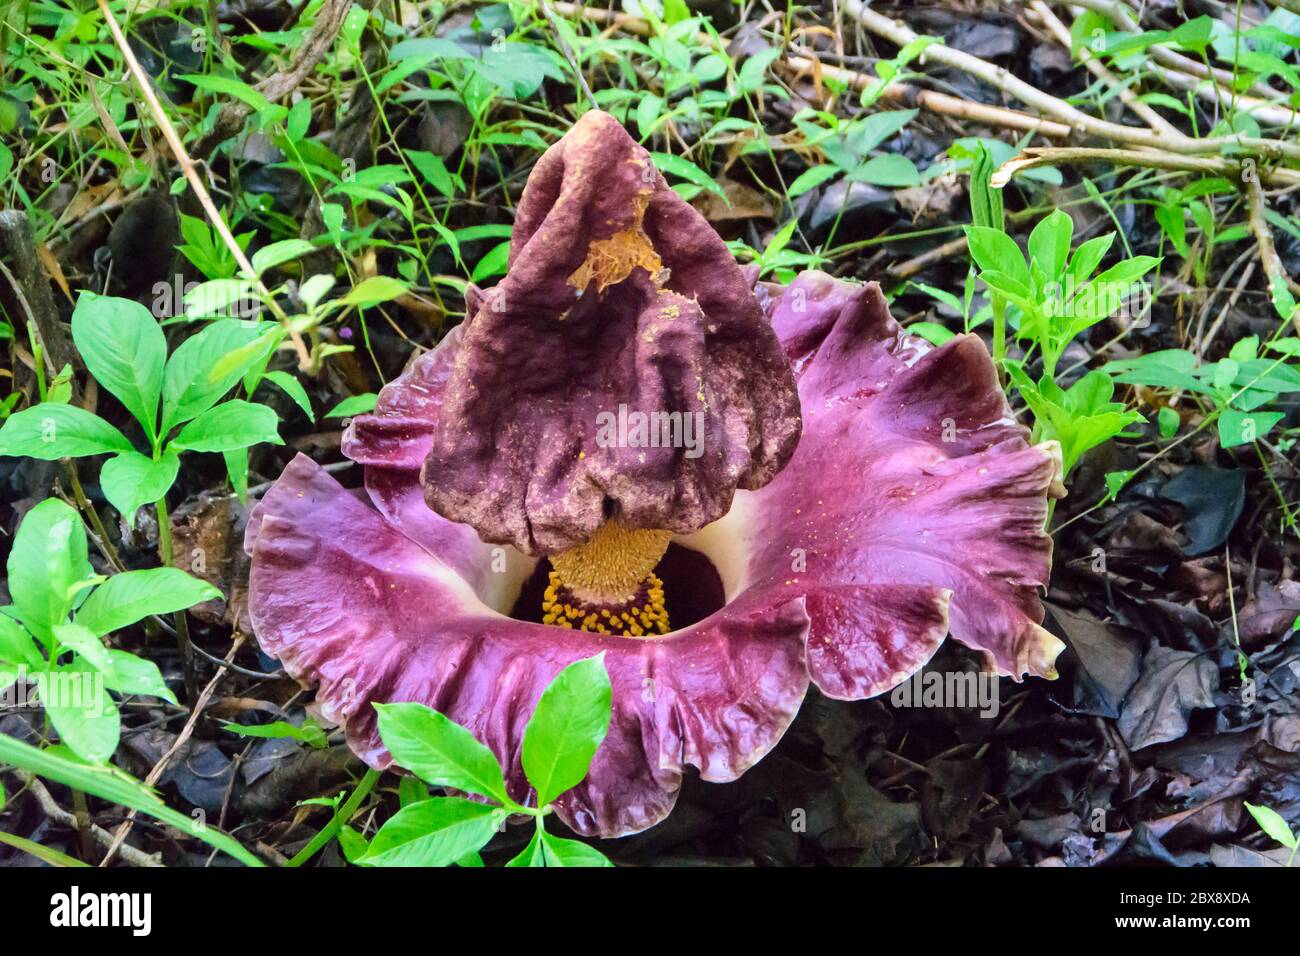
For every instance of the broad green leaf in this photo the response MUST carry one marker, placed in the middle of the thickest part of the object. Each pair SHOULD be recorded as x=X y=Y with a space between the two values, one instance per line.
x=685 y=169
x=1272 y=823
x=1088 y=256
x=130 y=480
x=493 y=262
x=353 y=844
x=123 y=346
x=1049 y=242
x=135 y=675
x=567 y=727
x=78 y=638
x=375 y=290
x=17 y=646
x=134 y=595
x=76 y=699
x=571 y=853
x=278 y=253
x=47 y=560
x=434 y=170
x=866 y=134
x=354 y=405
x=531 y=855
x=1242 y=428
x=232 y=299
x=440 y=751
x=50 y=431
x=188 y=390
x=891 y=169
x=994 y=251
x=812 y=178
x=1168 y=421
x=109 y=783
x=233 y=424
x=435 y=832
x=293 y=388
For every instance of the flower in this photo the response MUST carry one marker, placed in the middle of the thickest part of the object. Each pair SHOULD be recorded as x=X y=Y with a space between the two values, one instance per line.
x=517 y=516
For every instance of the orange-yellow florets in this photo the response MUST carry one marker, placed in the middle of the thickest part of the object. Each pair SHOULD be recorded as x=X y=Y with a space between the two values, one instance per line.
x=608 y=585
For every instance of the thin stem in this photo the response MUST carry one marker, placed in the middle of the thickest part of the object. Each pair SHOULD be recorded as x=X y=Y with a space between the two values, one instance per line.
x=167 y=557
x=341 y=816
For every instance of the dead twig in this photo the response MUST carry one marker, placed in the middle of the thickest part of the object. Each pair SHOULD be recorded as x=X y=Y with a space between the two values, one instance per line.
x=181 y=740
x=67 y=818
x=190 y=171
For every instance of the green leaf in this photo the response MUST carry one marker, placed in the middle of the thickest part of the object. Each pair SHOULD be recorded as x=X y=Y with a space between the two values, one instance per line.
x=567 y=727
x=891 y=170
x=17 y=646
x=932 y=332
x=309 y=733
x=50 y=431
x=111 y=784
x=188 y=389
x=531 y=855
x=293 y=388
x=493 y=262
x=1272 y=823
x=129 y=674
x=1115 y=482
x=353 y=844
x=682 y=168
x=985 y=202
x=42 y=853
x=233 y=424
x=1242 y=428
x=994 y=251
x=1049 y=243
x=237 y=472
x=571 y=853
x=134 y=595
x=130 y=480
x=355 y=405
x=76 y=700
x=47 y=560
x=434 y=170
x=1088 y=256
x=374 y=290
x=123 y=346
x=228 y=86
x=1168 y=421
x=77 y=638
x=278 y=253
x=812 y=178
x=440 y=751
x=434 y=832
x=230 y=299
